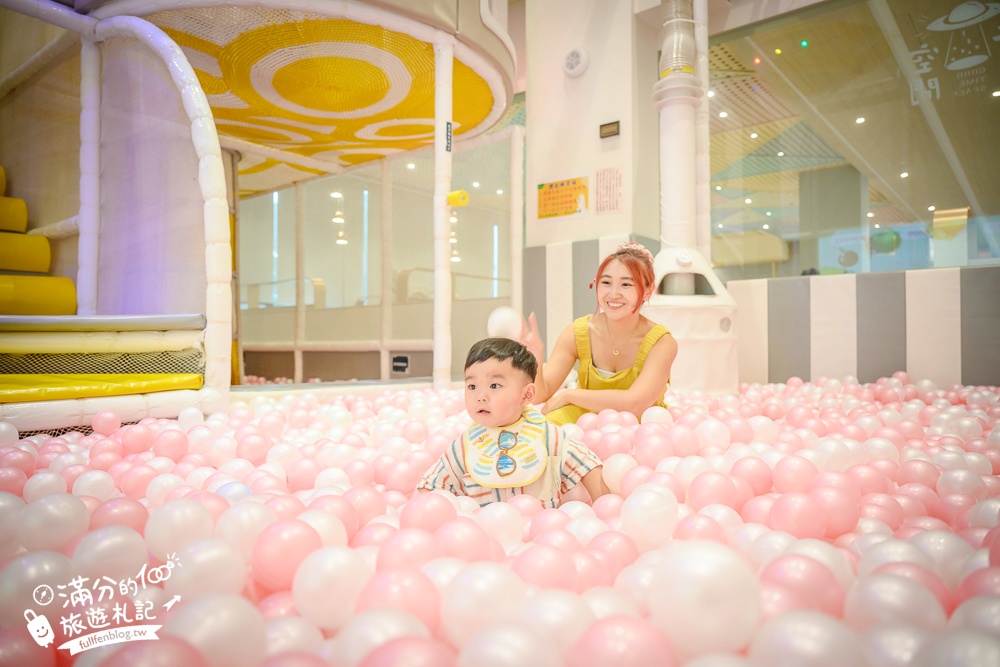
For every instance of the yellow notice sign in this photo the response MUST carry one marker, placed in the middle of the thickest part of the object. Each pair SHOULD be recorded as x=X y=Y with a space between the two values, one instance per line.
x=568 y=197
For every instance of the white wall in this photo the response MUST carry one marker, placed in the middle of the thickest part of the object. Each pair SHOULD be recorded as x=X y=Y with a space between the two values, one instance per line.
x=564 y=114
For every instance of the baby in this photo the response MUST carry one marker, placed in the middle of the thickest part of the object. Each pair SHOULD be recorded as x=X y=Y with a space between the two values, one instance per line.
x=510 y=449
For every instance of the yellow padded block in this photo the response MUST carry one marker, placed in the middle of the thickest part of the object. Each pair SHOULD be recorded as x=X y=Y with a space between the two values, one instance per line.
x=29 y=388
x=20 y=252
x=13 y=215
x=37 y=295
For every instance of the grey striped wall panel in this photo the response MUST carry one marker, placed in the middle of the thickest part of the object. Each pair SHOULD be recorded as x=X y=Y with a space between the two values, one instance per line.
x=981 y=325
x=937 y=324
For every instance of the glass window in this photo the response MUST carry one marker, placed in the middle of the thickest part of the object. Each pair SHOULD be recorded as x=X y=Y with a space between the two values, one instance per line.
x=857 y=136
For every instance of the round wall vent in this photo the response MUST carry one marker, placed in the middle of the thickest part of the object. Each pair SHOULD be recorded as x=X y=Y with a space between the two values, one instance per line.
x=576 y=61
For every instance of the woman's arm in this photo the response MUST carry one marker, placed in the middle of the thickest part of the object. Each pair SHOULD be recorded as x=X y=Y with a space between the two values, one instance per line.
x=552 y=373
x=643 y=393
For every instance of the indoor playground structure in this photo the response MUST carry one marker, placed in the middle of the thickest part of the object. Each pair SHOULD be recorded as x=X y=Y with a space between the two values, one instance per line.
x=822 y=489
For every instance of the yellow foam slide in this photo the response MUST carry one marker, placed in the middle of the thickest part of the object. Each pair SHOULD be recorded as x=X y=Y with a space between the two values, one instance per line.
x=20 y=252
x=13 y=215
x=26 y=388
x=37 y=295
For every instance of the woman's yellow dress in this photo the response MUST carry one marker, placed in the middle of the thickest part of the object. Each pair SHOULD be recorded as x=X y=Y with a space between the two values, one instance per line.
x=591 y=378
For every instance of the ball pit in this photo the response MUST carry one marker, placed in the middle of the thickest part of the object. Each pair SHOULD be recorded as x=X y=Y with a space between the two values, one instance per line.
x=809 y=523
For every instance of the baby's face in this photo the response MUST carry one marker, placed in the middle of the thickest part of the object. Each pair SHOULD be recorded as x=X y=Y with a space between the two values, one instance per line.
x=495 y=392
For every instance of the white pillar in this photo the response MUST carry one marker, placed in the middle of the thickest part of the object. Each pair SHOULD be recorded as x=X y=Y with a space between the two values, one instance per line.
x=444 y=48
x=89 y=217
x=300 y=279
x=385 y=227
x=517 y=218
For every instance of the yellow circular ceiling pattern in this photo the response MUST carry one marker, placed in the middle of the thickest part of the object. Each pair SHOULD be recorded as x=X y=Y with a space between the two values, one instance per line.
x=333 y=89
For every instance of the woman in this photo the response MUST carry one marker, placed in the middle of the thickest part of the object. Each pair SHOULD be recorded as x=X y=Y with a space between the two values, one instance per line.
x=624 y=358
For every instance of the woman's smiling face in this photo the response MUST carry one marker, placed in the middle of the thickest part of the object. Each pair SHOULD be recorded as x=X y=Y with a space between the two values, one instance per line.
x=617 y=293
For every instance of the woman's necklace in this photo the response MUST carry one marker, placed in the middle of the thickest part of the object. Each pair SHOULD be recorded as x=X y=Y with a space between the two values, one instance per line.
x=616 y=350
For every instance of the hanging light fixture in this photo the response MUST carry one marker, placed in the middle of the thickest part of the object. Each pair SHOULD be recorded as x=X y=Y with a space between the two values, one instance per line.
x=455 y=256
x=338 y=216
x=341 y=238
x=452 y=238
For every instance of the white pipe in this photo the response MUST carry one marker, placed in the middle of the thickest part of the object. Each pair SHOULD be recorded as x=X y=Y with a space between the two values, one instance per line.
x=212 y=181
x=38 y=61
x=250 y=148
x=89 y=216
x=517 y=218
x=58 y=230
x=417 y=345
x=702 y=164
x=444 y=50
x=300 y=278
x=675 y=97
x=55 y=14
x=386 y=304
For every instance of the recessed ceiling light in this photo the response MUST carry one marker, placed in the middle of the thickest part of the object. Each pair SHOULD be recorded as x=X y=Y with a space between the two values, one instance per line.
x=905 y=174
x=410 y=165
x=767 y=226
x=336 y=195
x=777 y=52
x=768 y=214
x=499 y=192
x=781 y=153
x=870 y=214
x=996 y=93
x=475 y=184
x=748 y=201
x=877 y=226
x=711 y=93
x=756 y=60
x=859 y=120
x=718 y=187
x=719 y=226
x=930 y=208
x=453 y=219
x=723 y=114
x=753 y=135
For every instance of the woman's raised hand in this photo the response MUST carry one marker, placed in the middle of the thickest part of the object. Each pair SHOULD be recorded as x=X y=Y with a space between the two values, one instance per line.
x=532 y=339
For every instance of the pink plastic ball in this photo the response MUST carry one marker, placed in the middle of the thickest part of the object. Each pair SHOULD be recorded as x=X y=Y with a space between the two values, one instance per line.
x=342 y=509
x=464 y=539
x=136 y=438
x=546 y=567
x=277 y=605
x=106 y=423
x=794 y=473
x=700 y=527
x=407 y=549
x=799 y=515
x=806 y=582
x=136 y=480
x=408 y=590
x=622 y=641
x=410 y=652
x=374 y=534
x=367 y=501
x=278 y=551
x=171 y=443
x=427 y=511
x=710 y=488
x=755 y=471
